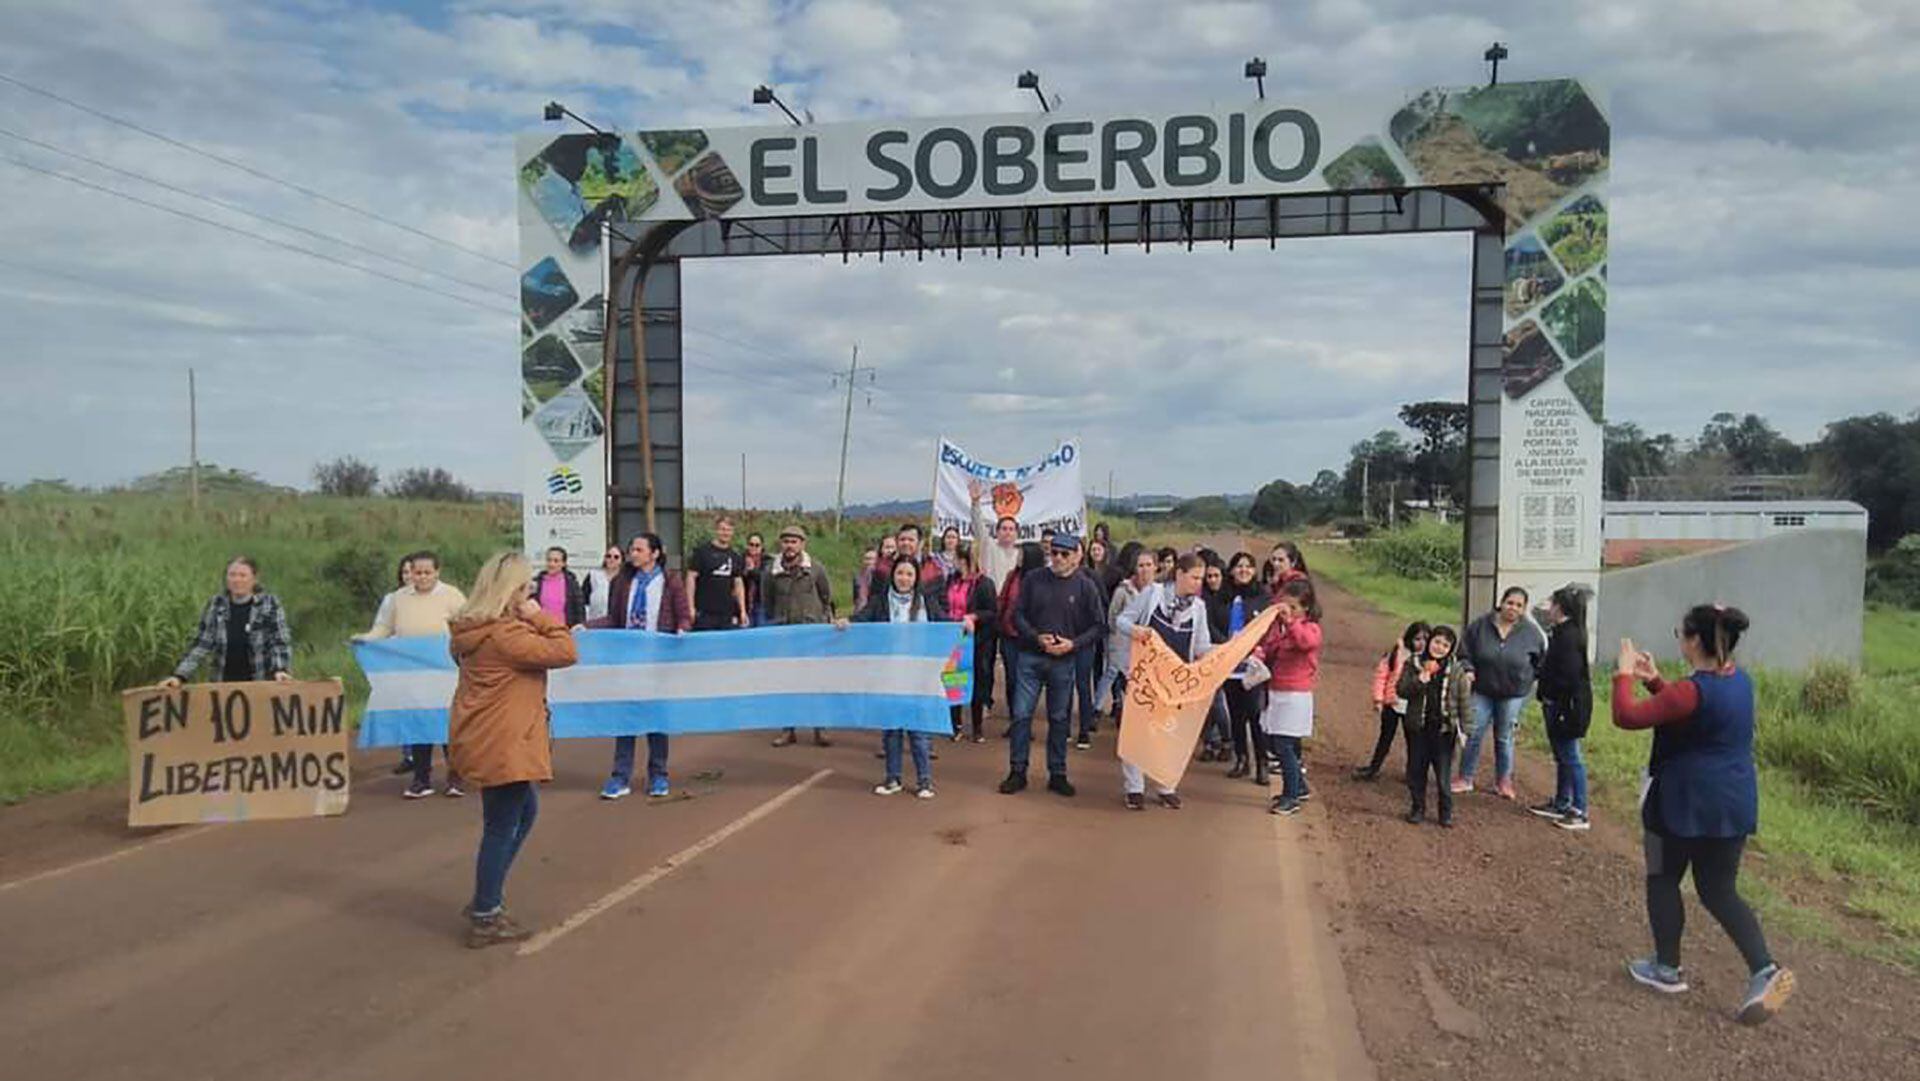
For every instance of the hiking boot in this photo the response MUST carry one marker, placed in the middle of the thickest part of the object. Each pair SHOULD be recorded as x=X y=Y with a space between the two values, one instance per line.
x=1549 y=809
x=1649 y=972
x=1059 y=785
x=785 y=739
x=1767 y=991
x=1136 y=801
x=1574 y=821
x=1170 y=800
x=1015 y=782
x=483 y=931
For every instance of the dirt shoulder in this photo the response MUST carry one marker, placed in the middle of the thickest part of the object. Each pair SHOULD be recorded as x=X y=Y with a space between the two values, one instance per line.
x=1497 y=947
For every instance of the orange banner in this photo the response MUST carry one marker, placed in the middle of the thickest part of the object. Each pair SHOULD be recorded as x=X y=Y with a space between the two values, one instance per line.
x=1167 y=699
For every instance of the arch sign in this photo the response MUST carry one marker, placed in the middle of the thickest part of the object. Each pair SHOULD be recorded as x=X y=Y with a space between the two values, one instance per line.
x=1523 y=166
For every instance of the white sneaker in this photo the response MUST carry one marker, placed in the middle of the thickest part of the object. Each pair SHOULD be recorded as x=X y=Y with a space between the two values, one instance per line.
x=925 y=792
x=889 y=788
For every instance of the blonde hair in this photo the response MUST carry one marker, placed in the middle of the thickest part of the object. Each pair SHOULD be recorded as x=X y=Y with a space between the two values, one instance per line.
x=498 y=589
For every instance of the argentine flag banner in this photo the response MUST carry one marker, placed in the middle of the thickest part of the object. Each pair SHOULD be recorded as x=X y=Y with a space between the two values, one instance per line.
x=628 y=683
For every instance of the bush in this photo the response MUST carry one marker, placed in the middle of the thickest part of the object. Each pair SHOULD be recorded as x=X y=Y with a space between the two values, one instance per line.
x=1894 y=579
x=434 y=485
x=348 y=476
x=1828 y=689
x=1425 y=551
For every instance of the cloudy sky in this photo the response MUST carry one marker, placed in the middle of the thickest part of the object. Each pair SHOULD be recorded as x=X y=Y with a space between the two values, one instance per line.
x=1766 y=166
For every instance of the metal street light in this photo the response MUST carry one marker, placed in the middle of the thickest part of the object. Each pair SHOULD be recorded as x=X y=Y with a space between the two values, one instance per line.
x=1029 y=81
x=1257 y=71
x=556 y=111
x=764 y=95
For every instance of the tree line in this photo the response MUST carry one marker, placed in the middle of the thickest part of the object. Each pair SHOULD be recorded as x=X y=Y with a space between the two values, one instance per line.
x=1873 y=460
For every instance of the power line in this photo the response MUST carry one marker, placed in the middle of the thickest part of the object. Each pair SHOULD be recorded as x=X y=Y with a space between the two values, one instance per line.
x=238 y=209
x=263 y=238
x=248 y=169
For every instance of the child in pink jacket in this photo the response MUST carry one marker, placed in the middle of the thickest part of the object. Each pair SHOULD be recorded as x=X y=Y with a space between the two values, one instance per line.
x=1291 y=654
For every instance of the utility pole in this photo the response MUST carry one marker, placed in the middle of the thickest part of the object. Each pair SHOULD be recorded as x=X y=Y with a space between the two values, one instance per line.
x=193 y=443
x=846 y=431
x=1109 y=491
x=743 y=482
x=1366 y=467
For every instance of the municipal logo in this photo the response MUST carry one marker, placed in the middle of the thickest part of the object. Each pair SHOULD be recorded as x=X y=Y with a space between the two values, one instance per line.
x=565 y=480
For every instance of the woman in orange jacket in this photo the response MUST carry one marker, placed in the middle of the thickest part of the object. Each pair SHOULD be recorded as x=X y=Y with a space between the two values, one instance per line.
x=497 y=732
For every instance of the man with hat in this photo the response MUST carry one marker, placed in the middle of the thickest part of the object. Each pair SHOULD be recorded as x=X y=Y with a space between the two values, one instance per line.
x=794 y=590
x=1058 y=616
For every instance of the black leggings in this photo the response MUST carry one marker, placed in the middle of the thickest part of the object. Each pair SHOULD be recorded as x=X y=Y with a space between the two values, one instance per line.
x=1390 y=721
x=1716 y=869
x=1243 y=708
x=1430 y=754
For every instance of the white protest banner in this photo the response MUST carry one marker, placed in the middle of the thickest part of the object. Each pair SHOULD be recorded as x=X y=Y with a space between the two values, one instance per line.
x=1039 y=496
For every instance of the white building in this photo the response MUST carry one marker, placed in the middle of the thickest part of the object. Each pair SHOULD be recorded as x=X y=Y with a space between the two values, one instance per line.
x=1727 y=522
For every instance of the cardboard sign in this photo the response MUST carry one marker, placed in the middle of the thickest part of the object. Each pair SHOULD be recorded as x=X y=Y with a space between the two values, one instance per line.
x=228 y=752
x=1168 y=699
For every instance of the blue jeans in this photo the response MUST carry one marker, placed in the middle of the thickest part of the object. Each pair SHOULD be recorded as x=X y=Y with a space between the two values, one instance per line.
x=1502 y=714
x=1292 y=784
x=623 y=747
x=1570 y=775
x=1035 y=669
x=507 y=812
x=922 y=744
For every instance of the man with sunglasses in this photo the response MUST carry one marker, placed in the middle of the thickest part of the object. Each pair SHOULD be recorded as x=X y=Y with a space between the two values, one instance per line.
x=1059 y=616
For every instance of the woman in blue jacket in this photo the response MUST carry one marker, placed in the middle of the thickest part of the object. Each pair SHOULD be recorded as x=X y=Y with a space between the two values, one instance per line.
x=1700 y=799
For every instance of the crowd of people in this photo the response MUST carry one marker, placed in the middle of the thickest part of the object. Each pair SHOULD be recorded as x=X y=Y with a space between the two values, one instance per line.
x=1061 y=616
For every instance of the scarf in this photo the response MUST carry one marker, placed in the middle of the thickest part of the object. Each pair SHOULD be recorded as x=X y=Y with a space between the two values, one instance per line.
x=637 y=603
x=902 y=609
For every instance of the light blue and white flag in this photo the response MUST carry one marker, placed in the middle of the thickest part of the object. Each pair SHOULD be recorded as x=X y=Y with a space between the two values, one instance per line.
x=870 y=675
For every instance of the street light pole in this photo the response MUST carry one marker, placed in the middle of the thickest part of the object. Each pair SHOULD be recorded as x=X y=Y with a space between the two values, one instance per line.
x=846 y=431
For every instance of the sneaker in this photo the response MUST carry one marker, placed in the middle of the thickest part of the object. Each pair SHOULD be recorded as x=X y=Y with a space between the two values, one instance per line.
x=492 y=930
x=1305 y=795
x=1461 y=786
x=978 y=738
x=1170 y=800
x=1084 y=743
x=1446 y=823
x=454 y=791
x=615 y=788
x=1059 y=785
x=1767 y=991
x=784 y=739
x=1650 y=972
x=925 y=791
x=1414 y=818
x=1015 y=782
x=1136 y=801
x=1505 y=789
x=1364 y=773
x=887 y=788
x=403 y=767
x=1549 y=809
x=416 y=790
x=1283 y=806
x=657 y=788
x=1574 y=821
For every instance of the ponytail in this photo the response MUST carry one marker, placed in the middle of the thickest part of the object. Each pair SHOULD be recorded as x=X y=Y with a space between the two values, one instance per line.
x=1717 y=628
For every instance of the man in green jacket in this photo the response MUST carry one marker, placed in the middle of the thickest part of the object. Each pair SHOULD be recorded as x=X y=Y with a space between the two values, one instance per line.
x=795 y=590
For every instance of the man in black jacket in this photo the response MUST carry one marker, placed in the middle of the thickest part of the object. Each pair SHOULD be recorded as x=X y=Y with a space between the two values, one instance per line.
x=1059 y=615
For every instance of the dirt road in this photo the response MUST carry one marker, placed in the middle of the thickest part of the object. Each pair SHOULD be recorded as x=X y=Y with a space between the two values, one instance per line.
x=777 y=922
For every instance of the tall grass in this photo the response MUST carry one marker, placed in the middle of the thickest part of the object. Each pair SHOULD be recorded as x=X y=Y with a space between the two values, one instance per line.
x=98 y=593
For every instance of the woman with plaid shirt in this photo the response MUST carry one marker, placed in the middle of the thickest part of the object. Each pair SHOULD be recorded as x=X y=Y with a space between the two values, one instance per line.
x=243 y=631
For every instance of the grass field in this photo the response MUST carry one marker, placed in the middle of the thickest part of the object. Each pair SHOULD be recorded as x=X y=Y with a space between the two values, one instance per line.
x=1839 y=787
x=98 y=593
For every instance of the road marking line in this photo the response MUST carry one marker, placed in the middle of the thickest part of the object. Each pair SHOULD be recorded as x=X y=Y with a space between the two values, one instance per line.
x=58 y=872
x=667 y=866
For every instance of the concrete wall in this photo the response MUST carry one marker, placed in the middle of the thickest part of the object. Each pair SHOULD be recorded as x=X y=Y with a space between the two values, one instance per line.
x=1804 y=592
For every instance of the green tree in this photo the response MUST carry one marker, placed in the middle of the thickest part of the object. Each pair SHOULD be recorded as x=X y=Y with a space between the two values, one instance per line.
x=1630 y=452
x=1279 y=505
x=1875 y=461
x=1439 y=466
x=1382 y=462
x=1750 y=445
x=346 y=476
